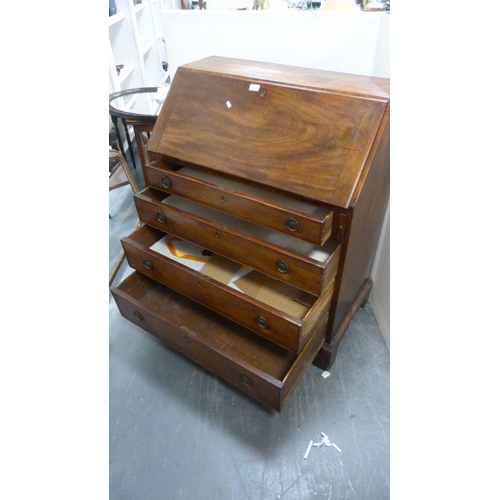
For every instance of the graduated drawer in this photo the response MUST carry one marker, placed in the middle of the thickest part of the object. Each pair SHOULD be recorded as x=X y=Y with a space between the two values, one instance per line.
x=270 y=308
x=289 y=215
x=254 y=365
x=287 y=259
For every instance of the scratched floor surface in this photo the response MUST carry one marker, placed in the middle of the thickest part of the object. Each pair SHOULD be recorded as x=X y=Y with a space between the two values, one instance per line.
x=179 y=432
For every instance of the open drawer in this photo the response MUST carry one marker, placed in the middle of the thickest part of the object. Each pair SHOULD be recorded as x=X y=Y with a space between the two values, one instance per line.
x=296 y=217
x=259 y=368
x=293 y=261
x=273 y=309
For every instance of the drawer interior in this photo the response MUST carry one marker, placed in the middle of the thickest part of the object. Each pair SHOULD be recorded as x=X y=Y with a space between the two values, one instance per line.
x=242 y=279
x=293 y=261
x=285 y=201
x=209 y=328
x=283 y=212
x=320 y=254
x=294 y=245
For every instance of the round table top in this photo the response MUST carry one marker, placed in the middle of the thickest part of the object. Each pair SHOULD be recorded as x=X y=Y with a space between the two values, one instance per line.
x=140 y=104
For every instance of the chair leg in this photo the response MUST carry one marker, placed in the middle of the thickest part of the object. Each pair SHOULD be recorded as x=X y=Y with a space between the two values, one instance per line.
x=116 y=154
x=120 y=257
x=117 y=265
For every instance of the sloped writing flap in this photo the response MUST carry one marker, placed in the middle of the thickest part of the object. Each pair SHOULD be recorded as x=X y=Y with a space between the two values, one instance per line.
x=309 y=141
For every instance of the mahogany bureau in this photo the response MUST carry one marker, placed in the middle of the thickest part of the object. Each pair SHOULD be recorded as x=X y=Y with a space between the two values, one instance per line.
x=266 y=191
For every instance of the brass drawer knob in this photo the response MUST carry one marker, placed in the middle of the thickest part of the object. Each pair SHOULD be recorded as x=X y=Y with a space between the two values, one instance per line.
x=161 y=217
x=261 y=321
x=138 y=316
x=292 y=225
x=147 y=264
x=246 y=380
x=166 y=182
x=282 y=266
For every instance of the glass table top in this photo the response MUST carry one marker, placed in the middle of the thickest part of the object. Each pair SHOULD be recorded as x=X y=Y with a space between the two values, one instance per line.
x=141 y=103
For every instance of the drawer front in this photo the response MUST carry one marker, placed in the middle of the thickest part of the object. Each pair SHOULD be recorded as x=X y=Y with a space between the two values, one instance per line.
x=298 y=270
x=259 y=368
x=298 y=218
x=264 y=319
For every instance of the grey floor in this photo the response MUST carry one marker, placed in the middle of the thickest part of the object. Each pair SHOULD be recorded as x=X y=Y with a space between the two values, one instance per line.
x=178 y=431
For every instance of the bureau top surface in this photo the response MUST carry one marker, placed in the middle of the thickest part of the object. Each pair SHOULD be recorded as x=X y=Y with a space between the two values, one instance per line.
x=310 y=132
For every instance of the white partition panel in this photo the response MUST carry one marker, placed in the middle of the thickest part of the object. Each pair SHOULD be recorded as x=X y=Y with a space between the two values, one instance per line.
x=337 y=41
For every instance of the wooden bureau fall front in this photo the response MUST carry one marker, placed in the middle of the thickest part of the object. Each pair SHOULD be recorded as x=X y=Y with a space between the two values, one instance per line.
x=266 y=191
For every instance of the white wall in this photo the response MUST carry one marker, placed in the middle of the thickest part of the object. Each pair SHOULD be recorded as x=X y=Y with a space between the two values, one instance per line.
x=336 y=41
x=348 y=42
x=212 y=4
x=229 y=4
x=382 y=50
x=380 y=295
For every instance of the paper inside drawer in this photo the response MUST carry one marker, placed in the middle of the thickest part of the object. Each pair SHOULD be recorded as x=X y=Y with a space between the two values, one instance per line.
x=244 y=279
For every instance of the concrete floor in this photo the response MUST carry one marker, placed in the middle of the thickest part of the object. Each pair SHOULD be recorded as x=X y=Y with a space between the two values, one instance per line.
x=178 y=431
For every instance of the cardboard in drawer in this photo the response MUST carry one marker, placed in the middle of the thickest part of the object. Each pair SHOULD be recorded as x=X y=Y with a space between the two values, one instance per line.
x=274 y=310
x=276 y=294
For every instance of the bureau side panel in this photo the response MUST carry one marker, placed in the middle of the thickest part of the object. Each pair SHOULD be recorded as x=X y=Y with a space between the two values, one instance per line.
x=364 y=231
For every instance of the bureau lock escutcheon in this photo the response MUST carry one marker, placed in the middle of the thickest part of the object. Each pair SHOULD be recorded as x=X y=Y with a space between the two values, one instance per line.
x=138 y=316
x=161 y=217
x=147 y=264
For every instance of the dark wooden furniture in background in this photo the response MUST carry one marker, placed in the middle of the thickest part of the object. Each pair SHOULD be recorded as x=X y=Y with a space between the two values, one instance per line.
x=281 y=169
